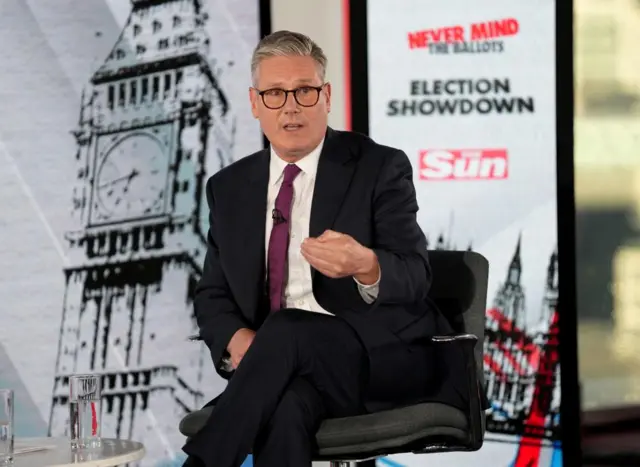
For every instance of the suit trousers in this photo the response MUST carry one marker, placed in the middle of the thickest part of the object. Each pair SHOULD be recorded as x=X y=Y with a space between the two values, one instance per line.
x=301 y=368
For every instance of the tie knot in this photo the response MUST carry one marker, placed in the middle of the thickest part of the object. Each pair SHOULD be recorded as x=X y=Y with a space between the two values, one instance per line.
x=290 y=172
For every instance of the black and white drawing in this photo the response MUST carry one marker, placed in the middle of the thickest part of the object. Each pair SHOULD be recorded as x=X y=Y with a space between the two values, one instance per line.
x=150 y=115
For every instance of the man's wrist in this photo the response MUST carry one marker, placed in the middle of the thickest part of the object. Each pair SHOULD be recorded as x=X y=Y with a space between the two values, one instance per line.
x=370 y=271
x=236 y=335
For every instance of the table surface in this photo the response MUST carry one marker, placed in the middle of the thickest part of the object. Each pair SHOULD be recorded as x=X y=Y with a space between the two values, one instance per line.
x=113 y=452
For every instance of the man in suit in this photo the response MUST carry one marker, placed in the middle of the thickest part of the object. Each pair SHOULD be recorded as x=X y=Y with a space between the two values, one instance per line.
x=313 y=296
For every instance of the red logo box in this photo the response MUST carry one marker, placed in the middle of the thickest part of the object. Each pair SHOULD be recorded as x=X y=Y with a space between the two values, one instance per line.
x=464 y=164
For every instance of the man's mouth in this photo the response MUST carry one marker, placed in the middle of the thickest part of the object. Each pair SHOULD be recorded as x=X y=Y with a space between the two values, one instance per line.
x=292 y=127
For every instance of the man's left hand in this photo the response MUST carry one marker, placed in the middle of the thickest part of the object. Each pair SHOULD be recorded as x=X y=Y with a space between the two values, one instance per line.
x=338 y=255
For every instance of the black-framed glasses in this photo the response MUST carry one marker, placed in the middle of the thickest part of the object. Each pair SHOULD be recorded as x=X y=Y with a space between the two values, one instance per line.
x=305 y=96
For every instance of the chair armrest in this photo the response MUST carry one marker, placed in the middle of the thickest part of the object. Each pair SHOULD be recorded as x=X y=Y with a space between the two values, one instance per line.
x=467 y=343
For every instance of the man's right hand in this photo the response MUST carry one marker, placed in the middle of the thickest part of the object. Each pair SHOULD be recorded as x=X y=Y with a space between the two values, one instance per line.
x=239 y=344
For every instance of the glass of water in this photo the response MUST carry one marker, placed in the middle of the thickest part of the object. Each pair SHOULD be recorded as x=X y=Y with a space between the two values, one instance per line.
x=6 y=426
x=84 y=411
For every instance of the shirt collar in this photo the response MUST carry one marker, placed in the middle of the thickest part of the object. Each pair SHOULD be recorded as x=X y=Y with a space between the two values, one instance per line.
x=308 y=164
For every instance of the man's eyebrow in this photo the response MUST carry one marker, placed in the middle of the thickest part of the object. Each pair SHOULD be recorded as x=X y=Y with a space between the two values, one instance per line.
x=280 y=85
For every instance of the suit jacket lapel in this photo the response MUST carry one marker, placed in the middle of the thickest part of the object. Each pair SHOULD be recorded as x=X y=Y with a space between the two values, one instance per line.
x=335 y=170
x=249 y=230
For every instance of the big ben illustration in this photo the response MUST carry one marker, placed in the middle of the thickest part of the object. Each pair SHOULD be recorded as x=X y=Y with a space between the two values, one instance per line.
x=153 y=112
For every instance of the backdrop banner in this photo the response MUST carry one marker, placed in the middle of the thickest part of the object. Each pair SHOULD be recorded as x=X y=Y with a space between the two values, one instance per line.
x=114 y=114
x=469 y=94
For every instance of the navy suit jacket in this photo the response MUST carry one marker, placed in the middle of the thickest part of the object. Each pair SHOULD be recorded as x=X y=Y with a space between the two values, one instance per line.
x=362 y=189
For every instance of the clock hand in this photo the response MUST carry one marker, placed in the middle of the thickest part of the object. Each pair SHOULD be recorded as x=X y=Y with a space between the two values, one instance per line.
x=134 y=173
x=114 y=181
x=127 y=178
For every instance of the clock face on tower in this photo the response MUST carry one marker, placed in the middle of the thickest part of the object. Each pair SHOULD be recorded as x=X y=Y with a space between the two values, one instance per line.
x=131 y=179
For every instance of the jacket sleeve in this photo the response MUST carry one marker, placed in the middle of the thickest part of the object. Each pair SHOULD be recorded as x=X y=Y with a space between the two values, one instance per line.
x=399 y=242
x=217 y=314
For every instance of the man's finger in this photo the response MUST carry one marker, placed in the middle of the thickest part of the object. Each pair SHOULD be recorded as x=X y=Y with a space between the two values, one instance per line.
x=329 y=235
x=324 y=266
x=316 y=248
x=326 y=272
x=317 y=262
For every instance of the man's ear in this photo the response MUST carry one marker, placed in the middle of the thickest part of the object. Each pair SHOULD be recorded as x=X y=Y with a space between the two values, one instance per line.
x=327 y=94
x=253 y=98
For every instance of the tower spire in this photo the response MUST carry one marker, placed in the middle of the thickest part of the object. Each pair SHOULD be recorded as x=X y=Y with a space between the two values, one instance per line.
x=552 y=271
x=515 y=268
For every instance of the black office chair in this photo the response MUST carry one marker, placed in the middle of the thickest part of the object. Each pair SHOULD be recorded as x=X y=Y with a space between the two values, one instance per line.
x=460 y=291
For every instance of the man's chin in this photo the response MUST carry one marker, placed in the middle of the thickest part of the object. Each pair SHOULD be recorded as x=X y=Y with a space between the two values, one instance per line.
x=294 y=143
x=288 y=150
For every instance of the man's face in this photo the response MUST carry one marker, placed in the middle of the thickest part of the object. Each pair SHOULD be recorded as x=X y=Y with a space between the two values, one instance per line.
x=294 y=130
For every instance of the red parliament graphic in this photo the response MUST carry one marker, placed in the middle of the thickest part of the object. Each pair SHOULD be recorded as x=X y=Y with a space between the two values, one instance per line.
x=485 y=30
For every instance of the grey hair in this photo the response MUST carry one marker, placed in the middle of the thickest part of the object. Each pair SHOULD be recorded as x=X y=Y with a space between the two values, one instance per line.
x=287 y=44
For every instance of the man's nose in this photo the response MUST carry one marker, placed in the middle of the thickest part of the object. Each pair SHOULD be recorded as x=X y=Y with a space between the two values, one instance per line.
x=291 y=105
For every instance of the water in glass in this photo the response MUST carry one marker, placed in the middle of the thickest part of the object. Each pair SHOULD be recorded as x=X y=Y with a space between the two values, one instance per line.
x=84 y=411
x=6 y=426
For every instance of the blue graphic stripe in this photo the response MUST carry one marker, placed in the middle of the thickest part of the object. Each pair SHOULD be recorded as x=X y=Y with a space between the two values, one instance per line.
x=383 y=461
x=556 y=458
x=176 y=462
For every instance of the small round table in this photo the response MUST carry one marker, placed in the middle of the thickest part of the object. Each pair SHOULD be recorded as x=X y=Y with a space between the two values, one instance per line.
x=111 y=453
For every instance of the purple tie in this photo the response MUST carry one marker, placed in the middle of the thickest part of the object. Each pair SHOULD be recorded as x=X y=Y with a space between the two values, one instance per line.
x=279 y=240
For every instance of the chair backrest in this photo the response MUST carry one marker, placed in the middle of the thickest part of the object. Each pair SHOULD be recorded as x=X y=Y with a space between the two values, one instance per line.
x=459 y=289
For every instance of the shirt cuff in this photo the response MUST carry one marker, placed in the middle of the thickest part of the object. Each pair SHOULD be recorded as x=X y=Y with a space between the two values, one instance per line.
x=226 y=365
x=369 y=293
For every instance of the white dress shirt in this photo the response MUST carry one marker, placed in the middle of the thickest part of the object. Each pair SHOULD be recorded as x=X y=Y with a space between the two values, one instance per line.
x=298 y=291
x=299 y=288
